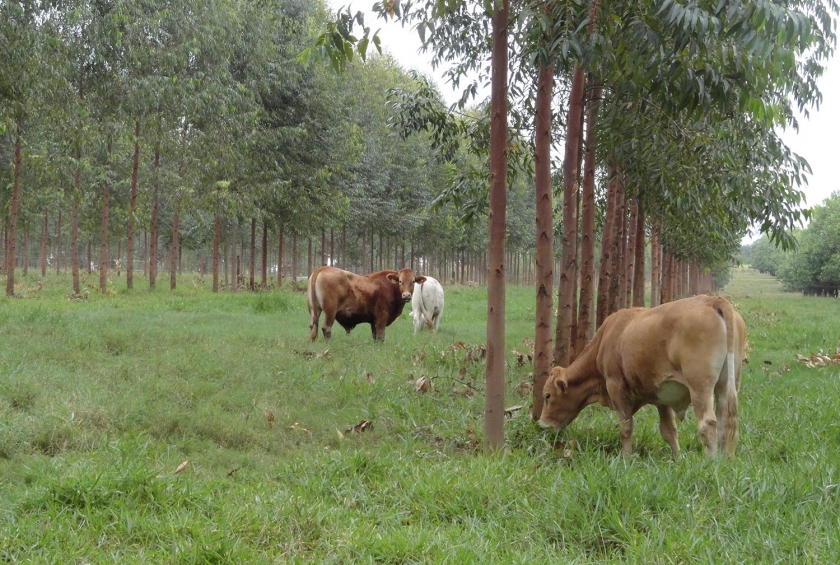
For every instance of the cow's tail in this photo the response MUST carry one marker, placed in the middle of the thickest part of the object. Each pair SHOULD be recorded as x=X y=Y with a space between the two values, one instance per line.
x=312 y=305
x=728 y=427
x=423 y=311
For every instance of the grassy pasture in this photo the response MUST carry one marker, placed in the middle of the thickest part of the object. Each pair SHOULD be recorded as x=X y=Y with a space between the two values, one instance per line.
x=101 y=401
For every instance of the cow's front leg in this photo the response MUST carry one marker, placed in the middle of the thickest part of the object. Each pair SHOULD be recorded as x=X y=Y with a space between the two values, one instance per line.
x=624 y=410
x=625 y=430
x=378 y=330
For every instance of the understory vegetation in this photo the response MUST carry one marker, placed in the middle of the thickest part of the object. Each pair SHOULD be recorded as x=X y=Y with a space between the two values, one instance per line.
x=193 y=427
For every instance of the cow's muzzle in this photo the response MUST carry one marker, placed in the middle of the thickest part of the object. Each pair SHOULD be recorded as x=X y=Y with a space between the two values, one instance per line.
x=554 y=425
x=406 y=297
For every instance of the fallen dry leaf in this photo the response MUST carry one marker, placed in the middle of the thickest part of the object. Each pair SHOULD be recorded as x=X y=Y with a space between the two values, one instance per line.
x=525 y=388
x=363 y=426
x=370 y=378
x=233 y=472
x=181 y=467
x=422 y=385
x=340 y=435
x=269 y=416
x=510 y=411
x=297 y=427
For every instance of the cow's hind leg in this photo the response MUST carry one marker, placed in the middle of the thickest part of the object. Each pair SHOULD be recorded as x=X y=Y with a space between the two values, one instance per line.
x=314 y=317
x=726 y=409
x=668 y=428
x=329 y=320
x=702 y=400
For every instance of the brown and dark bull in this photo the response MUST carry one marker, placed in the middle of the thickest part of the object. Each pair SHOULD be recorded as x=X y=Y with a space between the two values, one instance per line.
x=350 y=299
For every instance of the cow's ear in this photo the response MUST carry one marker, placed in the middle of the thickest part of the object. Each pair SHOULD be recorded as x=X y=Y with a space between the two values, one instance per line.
x=562 y=386
x=419 y=280
x=394 y=278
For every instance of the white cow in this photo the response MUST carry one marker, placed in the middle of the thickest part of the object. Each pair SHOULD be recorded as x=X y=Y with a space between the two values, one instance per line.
x=427 y=304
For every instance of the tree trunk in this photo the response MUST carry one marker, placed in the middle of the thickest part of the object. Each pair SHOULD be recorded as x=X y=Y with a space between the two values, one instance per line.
x=294 y=258
x=234 y=260
x=639 y=262
x=630 y=253
x=58 y=244
x=494 y=415
x=604 y=273
x=617 y=244
x=103 y=231
x=332 y=247
x=153 y=236
x=13 y=211
x=309 y=266
x=264 y=256
x=655 y=264
x=175 y=225
x=545 y=237
x=217 y=237
x=44 y=236
x=252 y=260
x=323 y=246
x=74 y=226
x=280 y=259
x=132 y=208
x=587 y=224
x=343 y=246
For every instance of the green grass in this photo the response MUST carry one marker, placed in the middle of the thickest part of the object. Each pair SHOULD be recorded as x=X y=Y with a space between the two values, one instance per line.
x=102 y=399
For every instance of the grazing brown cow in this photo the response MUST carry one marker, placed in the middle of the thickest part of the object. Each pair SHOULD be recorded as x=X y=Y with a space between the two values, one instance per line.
x=376 y=299
x=684 y=352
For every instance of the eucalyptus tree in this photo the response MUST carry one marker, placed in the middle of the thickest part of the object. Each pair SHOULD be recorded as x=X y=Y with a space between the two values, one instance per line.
x=26 y=29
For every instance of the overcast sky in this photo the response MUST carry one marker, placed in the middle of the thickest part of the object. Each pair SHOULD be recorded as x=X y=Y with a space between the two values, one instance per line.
x=816 y=140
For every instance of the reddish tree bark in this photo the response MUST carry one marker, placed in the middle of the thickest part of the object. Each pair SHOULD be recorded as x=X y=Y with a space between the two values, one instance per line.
x=604 y=271
x=264 y=256
x=630 y=253
x=618 y=247
x=494 y=415
x=587 y=227
x=655 y=264
x=639 y=262
x=545 y=237
x=568 y=262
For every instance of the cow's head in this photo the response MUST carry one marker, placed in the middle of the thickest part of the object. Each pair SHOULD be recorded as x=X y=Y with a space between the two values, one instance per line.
x=406 y=279
x=563 y=400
